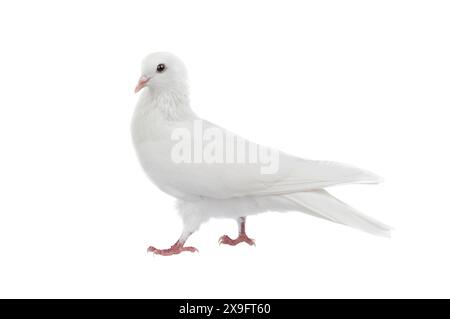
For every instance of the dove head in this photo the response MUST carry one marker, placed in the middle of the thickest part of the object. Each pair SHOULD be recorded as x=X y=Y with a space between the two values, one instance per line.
x=162 y=73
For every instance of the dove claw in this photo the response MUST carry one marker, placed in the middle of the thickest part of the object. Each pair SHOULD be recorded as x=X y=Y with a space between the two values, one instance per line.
x=174 y=250
x=225 y=240
x=233 y=242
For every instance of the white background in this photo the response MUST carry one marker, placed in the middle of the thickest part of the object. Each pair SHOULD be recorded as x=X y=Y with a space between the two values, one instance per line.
x=362 y=82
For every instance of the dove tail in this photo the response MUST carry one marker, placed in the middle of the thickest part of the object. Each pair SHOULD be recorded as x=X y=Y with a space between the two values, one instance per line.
x=322 y=204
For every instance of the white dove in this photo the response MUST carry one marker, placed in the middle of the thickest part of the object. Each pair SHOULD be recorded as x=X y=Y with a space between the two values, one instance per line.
x=208 y=183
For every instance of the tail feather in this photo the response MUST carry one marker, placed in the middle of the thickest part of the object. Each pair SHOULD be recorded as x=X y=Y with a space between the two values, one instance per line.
x=323 y=204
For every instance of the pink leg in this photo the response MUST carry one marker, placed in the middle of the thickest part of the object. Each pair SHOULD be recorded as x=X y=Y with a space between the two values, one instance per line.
x=176 y=248
x=242 y=237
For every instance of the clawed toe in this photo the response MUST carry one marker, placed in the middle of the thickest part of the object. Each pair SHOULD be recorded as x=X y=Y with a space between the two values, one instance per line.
x=174 y=250
x=225 y=240
x=191 y=249
x=233 y=242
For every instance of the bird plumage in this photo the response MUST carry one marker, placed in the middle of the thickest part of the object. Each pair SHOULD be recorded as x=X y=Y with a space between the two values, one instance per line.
x=230 y=189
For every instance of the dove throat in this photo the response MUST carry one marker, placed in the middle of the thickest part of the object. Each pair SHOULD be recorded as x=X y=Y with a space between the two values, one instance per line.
x=170 y=104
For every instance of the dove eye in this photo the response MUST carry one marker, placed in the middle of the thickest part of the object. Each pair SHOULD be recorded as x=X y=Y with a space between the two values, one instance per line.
x=161 y=67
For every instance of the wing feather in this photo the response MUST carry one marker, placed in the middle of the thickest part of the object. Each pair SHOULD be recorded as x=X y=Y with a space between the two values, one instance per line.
x=229 y=180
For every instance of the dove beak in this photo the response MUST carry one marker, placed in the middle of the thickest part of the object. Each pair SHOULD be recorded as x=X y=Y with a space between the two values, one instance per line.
x=142 y=82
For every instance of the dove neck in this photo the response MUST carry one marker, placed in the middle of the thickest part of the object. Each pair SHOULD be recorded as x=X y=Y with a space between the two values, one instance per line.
x=172 y=104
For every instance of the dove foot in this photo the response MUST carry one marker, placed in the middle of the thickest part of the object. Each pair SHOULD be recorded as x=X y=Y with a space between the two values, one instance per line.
x=242 y=238
x=174 y=250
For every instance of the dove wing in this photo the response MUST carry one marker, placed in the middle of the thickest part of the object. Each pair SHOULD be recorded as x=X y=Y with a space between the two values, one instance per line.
x=294 y=175
x=228 y=180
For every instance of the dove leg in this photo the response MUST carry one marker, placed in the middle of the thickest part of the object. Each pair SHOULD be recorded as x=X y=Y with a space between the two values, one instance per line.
x=242 y=237
x=176 y=248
